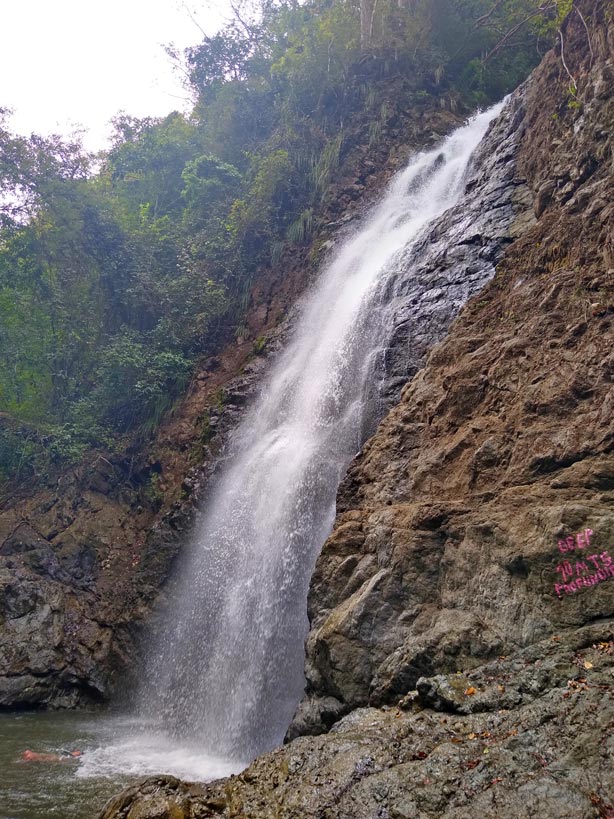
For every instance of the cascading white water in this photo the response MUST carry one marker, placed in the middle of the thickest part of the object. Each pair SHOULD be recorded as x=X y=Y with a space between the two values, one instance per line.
x=228 y=672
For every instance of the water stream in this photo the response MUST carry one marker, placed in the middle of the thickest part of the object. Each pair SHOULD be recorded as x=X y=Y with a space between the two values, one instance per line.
x=228 y=672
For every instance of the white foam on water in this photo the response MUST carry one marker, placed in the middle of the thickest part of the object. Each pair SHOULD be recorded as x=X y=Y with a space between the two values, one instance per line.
x=147 y=754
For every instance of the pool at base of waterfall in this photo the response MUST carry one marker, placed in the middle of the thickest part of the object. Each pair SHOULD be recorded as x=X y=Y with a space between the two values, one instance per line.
x=117 y=751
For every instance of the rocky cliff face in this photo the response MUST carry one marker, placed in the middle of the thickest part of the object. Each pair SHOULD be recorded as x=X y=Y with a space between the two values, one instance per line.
x=82 y=562
x=445 y=552
x=463 y=609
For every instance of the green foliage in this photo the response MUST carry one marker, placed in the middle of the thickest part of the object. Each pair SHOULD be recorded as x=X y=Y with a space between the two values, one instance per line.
x=260 y=345
x=300 y=231
x=30 y=452
x=265 y=203
x=152 y=493
x=206 y=430
x=312 y=53
x=563 y=9
x=32 y=170
x=133 y=384
x=220 y=59
x=220 y=398
x=328 y=163
x=144 y=168
x=208 y=186
x=18 y=451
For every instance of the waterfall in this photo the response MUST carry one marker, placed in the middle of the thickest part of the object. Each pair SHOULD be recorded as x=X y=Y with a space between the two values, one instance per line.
x=228 y=671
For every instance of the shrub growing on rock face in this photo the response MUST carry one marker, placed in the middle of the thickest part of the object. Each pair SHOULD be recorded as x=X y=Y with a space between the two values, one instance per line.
x=134 y=384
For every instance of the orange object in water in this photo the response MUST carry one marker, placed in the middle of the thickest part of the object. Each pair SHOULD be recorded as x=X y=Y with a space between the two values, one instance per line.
x=33 y=756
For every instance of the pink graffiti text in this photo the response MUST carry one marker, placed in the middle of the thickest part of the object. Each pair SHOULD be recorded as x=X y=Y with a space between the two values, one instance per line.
x=584 y=573
x=578 y=541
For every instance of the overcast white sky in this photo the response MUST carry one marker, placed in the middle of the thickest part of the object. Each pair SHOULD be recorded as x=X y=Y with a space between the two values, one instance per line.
x=65 y=63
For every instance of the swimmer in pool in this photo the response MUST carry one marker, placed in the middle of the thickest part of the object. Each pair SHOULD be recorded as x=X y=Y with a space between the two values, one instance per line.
x=63 y=756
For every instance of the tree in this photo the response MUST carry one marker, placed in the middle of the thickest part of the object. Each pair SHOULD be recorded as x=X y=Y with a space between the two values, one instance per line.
x=31 y=168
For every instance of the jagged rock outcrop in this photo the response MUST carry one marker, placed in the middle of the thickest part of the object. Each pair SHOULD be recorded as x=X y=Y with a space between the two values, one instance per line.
x=59 y=558
x=457 y=256
x=463 y=607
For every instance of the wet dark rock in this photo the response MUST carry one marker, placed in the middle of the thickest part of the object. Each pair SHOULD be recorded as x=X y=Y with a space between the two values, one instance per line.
x=159 y=797
x=22 y=539
x=314 y=713
x=458 y=254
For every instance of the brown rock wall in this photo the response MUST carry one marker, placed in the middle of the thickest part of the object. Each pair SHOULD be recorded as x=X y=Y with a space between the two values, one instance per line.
x=445 y=550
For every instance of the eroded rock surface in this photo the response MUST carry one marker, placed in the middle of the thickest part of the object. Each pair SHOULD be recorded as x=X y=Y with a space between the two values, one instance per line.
x=458 y=254
x=445 y=551
x=528 y=736
x=462 y=610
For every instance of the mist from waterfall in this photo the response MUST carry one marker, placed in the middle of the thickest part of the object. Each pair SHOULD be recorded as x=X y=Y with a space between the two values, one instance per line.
x=227 y=673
